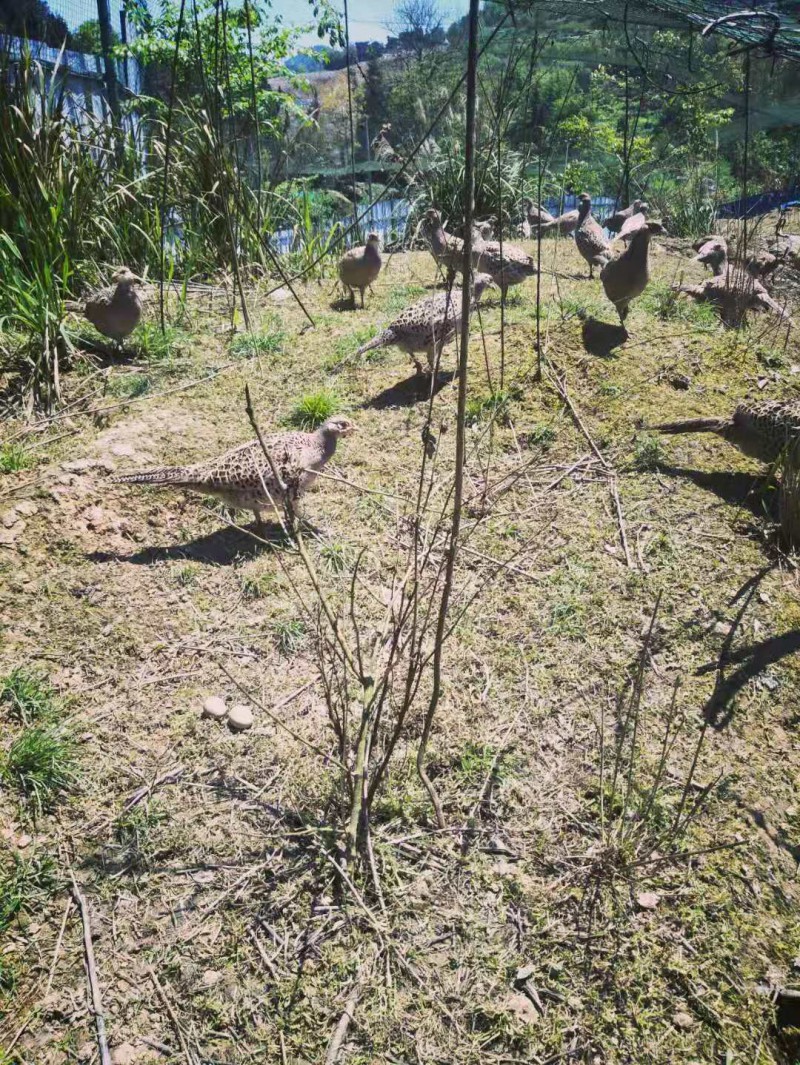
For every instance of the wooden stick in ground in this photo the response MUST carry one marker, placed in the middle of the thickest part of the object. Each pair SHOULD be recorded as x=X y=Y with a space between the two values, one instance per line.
x=612 y=484
x=340 y=1032
x=171 y=1014
x=91 y=971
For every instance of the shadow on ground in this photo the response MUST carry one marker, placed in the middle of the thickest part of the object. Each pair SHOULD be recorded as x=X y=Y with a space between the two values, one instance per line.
x=751 y=660
x=222 y=547
x=406 y=393
x=738 y=489
x=600 y=338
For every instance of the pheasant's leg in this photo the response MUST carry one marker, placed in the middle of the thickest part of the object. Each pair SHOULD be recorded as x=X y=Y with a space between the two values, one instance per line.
x=591 y=271
x=261 y=528
x=361 y=290
x=417 y=366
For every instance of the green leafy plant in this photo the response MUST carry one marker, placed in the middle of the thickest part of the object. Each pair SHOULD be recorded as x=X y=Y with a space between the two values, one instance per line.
x=40 y=764
x=25 y=883
x=27 y=695
x=251 y=345
x=289 y=636
x=14 y=457
x=648 y=453
x=313 y=409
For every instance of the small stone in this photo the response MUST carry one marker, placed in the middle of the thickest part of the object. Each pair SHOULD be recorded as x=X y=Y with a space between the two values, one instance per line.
x=26 y=507
x=683 y=1020
x=210 y=978
x=9 y=518
x=722 y=628
x=214 y=707
x=23 y=842
x=240 y=717
x=522 y=1007
x=86 y=1051
x=8 y=536
x=647 y=900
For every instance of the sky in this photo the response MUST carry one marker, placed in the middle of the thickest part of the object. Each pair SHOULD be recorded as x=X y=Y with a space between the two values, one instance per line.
x=368 y=18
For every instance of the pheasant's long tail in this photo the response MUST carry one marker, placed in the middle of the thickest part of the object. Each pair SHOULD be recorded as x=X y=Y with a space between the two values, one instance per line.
x=178 y=475
x=380 y=341
x=693 y=425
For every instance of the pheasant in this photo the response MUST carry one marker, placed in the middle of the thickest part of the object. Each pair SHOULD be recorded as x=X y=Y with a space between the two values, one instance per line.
x=243 y=479
x=768 y=430
x=617 y=220
x=565 y=224
x=536 y=216
x=763 y=429
x=713 y=252
x=632 y=225
x=427 y=325
x=115 y=311
x=506 y=264
x=734 y=292
x=626 y=277
x=447 y=250
x=359 y=266
x=592 y=245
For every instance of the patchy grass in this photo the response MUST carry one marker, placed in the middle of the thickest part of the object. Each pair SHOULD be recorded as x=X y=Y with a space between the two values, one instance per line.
x=14 y=457
x=256 y=345
x=40 y=766
x=26 y=882
x=546 y=856
x=648 y=452
x=129 y=385
x=156 y=346
x=28 y=696
x=313 y=409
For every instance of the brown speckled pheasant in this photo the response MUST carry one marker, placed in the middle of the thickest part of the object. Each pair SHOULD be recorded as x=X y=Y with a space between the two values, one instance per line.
x=565 y=224
x=626 y=277
x=632 y=225
x=447 y=250
x=761 y=429
x=427 y=325
x=114 y=311
x=589 y=238
x=734 y=292
x=506 y=264
x=242 y=478
x=617 y=220
x=536 y=216
x=768 y=430
x=359 y=266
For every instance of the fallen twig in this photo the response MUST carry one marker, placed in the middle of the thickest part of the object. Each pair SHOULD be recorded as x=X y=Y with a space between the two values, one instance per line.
x=171 y=1014
x=338 y=1037
x=612 y=486
x=91 y=971
x=172 y=776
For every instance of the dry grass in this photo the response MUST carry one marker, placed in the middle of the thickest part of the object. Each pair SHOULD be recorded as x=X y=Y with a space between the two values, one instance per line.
x=220 y=881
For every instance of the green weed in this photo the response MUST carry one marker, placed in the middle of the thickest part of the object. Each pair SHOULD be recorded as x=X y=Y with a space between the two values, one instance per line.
x=493 y=406
x=336 y=557
x=251 y=345
x=540 y=435
x=153 y=345
x=14 y=457
x=28 y=695
x=257 y=585
x=648 y=453
x=137 y=832
x=289 y=636
x=40 y=765
x=314 y=409
x=129 y=385
x=25 y=883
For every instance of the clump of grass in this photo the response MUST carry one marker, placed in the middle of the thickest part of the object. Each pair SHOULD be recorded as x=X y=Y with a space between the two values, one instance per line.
x=257 y=585
x=28 y=695
x=186 y=575
x=40 y=765
x=14 y=457
x=648 y=453
x=401 y=296
x=137 y=833
x=335 y=556
x=494 y=405
x=25 y=883
x=129 y=385
x=344 y=349
x=314 y=409
x=670 y=306
x=540 y=435
x=251 y=345
x=150 y=343
x=289 y=636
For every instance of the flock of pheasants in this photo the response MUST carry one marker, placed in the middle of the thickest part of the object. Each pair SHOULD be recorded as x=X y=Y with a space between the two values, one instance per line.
x=246 y=478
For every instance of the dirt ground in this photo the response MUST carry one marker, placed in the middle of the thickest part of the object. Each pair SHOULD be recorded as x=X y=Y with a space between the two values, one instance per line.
x=552 y=921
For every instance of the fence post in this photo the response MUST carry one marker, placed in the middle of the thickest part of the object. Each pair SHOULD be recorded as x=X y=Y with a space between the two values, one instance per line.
x=112 y=87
